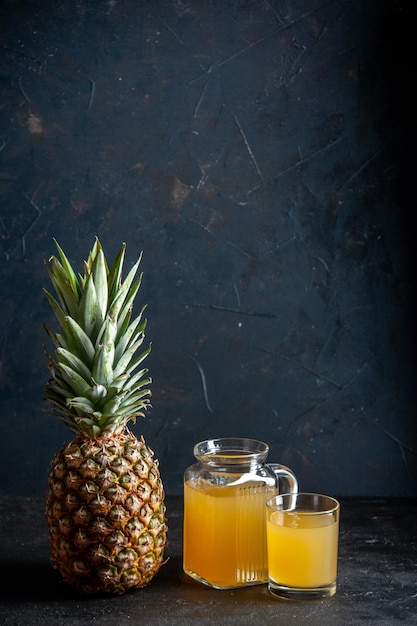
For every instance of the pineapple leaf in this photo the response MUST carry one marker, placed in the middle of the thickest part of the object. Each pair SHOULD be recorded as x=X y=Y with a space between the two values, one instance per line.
x=71 y=359
x=134 y=363
x=119 y=300
x=66 y=414
x=67 y=297
x=68 y=271
x=58 y=312
x=88 y=264
x=83 y=406
x=93 y=253
x=108 y=332
x=114 y=278
x=97 y=393
x=129 y=336
x=99 y=273
x=126 y=310
x=112 y=406
x=119 y=381
x=78 y=341
x=89 y=311
x=57 y=339
x=135 y=400
x=125 y=363
x=136 y=380
x=102 y=371
x=76 y=382
x=86 y=426
x=58 y=391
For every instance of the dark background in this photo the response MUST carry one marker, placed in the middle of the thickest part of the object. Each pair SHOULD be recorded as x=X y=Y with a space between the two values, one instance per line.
x=261 y=154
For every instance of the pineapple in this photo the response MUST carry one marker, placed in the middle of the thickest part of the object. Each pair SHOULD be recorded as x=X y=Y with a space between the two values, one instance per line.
x=105 y=499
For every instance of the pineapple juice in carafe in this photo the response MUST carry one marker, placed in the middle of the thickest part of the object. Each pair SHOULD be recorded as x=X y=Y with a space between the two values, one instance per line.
x=224 y=511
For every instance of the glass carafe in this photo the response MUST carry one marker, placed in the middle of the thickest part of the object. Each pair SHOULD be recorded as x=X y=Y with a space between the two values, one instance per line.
x=224 y=511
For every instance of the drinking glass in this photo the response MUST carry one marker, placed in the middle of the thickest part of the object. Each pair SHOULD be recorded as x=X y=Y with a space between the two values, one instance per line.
x=302 y=545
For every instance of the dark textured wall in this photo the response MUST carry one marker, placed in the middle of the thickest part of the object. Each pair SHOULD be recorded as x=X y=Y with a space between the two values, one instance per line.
x=260 y=154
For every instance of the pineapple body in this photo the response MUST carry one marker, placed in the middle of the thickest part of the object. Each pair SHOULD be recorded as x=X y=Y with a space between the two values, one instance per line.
x=106 y=514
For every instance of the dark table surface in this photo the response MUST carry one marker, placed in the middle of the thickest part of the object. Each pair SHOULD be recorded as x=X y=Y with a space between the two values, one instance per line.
x=377 y=578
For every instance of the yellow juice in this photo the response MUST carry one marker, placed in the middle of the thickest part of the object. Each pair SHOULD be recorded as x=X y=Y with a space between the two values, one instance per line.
x=302 y=548
x=225 y=533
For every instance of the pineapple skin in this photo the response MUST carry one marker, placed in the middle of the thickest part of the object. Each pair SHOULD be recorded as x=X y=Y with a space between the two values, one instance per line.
x=106 y=513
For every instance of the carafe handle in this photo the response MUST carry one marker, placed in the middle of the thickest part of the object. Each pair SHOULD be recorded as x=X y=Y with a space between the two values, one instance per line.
x=282 y=472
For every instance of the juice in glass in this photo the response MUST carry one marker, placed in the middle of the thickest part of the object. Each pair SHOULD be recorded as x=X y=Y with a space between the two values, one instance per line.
x=225 y=533
x=303 y=546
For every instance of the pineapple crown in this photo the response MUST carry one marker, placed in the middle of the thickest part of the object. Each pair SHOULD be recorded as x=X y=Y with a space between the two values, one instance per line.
x=95 y=386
